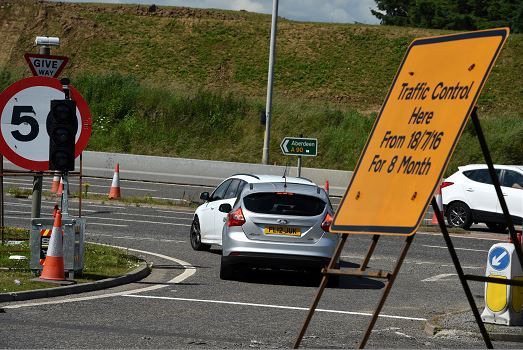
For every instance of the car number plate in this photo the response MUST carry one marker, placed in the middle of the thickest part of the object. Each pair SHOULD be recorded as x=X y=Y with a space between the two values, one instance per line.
x=282 y=230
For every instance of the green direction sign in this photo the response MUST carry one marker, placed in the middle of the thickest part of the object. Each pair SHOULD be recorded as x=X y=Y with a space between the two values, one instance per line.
x=298 y=146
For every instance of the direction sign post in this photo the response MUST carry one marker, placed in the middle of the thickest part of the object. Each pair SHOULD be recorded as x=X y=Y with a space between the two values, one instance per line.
x=299 y=146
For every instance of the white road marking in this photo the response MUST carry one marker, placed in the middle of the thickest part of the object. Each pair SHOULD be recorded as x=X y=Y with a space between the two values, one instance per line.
x=445 y=247
x=409 y=261
x=100 y=224
x=466 y=237
x=176 y=212
x=189 y=271
x=139 y=221
x=273 y=306
x=439 y=277
x=151 y=215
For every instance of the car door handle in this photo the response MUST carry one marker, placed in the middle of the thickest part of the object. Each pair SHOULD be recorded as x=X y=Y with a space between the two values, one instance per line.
x=470 y=189
x=504 y=194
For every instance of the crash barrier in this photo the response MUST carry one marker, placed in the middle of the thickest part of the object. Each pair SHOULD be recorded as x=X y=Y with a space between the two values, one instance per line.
x=73 y=243
x=194 y=171
x=503 y=303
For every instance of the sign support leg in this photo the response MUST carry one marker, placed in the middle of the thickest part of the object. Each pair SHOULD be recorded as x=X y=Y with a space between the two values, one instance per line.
x=495 y=182
x=299 y=166
x=37 y=195
x=65 y=195
x=461 y=275
x=365 y=262
x=323 y=284
x=2 y=196
x=80 y=188
x=386 y=291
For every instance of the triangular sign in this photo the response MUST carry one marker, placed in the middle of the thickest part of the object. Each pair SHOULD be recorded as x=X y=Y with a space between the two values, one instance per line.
x=46 y=65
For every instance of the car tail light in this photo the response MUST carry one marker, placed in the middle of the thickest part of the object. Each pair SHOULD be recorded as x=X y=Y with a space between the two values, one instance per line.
x=446 y=184
x=235 y=218
x=327 y=221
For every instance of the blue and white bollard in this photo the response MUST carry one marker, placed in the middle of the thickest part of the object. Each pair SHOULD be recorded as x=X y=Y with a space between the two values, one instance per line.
x=503 y=303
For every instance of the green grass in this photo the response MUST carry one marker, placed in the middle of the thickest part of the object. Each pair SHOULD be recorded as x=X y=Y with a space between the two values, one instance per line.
x=190 y=83
x=100 y=262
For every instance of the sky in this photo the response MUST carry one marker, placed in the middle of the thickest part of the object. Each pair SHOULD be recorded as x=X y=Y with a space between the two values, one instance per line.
x=339 y=11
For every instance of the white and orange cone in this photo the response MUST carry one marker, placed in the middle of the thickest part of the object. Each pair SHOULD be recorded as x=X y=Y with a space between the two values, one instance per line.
x=56 y=182
x=54 y=261
x=114 y=192
x=439 y=201
x=60 y=189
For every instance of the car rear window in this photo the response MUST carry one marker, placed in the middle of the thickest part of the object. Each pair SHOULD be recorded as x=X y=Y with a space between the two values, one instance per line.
x=284 y=203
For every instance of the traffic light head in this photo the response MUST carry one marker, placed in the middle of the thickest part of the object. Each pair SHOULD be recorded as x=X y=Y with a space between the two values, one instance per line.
x=62 y=125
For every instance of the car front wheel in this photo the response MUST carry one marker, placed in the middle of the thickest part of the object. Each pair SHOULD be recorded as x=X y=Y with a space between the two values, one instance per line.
x=196 y=238
x=459 y=215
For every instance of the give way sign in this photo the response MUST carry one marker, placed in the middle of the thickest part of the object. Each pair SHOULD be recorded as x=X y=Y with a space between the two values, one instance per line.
x=24 y=110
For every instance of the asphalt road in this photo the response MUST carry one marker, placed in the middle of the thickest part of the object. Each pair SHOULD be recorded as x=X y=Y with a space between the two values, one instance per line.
x=183 y=303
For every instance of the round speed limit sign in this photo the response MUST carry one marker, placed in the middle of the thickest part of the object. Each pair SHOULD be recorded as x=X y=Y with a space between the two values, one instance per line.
x=24 y=109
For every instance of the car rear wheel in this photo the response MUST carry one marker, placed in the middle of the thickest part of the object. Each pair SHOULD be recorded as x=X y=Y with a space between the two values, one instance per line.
x=496 y=227
x=459 y=215
x=226 y=270
x=196 y=238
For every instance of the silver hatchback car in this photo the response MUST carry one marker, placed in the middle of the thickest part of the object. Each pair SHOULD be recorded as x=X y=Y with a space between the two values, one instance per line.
x=278 y=225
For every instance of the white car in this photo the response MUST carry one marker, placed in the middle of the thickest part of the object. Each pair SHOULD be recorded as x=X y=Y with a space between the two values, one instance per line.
x=206 y=228
x=470 y=197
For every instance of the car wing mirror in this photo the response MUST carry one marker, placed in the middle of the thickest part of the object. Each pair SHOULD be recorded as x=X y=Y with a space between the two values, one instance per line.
x=225 y=208
x=204 y=196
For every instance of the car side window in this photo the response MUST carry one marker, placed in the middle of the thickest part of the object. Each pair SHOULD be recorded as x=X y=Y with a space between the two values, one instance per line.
x=233 y=189
x=481 y=175
x=512 y=179
x=219 y=192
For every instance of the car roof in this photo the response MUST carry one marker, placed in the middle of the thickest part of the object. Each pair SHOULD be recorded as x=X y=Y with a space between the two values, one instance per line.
x=496 y=166
x=262 y=178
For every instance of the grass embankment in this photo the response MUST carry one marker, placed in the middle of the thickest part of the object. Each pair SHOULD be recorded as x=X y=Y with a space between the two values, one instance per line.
x=100 y=262
x=190 y=83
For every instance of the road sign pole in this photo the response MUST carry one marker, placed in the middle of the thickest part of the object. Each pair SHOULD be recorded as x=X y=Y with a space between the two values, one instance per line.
x=299 y=166
x=65 y=195
x=2 y=196
x=38 y=180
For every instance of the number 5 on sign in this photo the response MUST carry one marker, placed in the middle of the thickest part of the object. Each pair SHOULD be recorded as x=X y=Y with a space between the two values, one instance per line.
x=24 y=109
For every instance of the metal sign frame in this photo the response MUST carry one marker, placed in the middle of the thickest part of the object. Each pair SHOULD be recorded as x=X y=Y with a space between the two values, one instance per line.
x=409 y=237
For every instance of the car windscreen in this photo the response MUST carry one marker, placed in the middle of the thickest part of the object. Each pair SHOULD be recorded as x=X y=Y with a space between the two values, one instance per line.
x=284 y=203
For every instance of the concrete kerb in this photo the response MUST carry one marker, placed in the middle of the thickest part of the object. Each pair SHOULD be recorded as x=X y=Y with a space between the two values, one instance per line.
x=463 y=322
x=137 y=274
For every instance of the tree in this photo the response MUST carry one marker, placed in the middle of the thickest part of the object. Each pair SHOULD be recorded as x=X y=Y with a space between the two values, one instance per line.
x=452 y=14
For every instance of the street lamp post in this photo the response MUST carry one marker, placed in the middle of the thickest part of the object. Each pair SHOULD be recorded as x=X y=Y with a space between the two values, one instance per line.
x=272 y=53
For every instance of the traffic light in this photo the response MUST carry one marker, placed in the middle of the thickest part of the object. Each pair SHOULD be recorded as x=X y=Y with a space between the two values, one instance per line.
x=62 y=125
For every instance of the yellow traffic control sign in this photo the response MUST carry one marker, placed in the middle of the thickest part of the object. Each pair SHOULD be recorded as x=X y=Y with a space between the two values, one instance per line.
x=416 y=132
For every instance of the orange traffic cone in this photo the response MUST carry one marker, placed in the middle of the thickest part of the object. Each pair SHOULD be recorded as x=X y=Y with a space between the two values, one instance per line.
x=56 y=182
x=327 y=186
x=60 y=189
x=439 y=201
x=114 y=192
x=54 y=261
